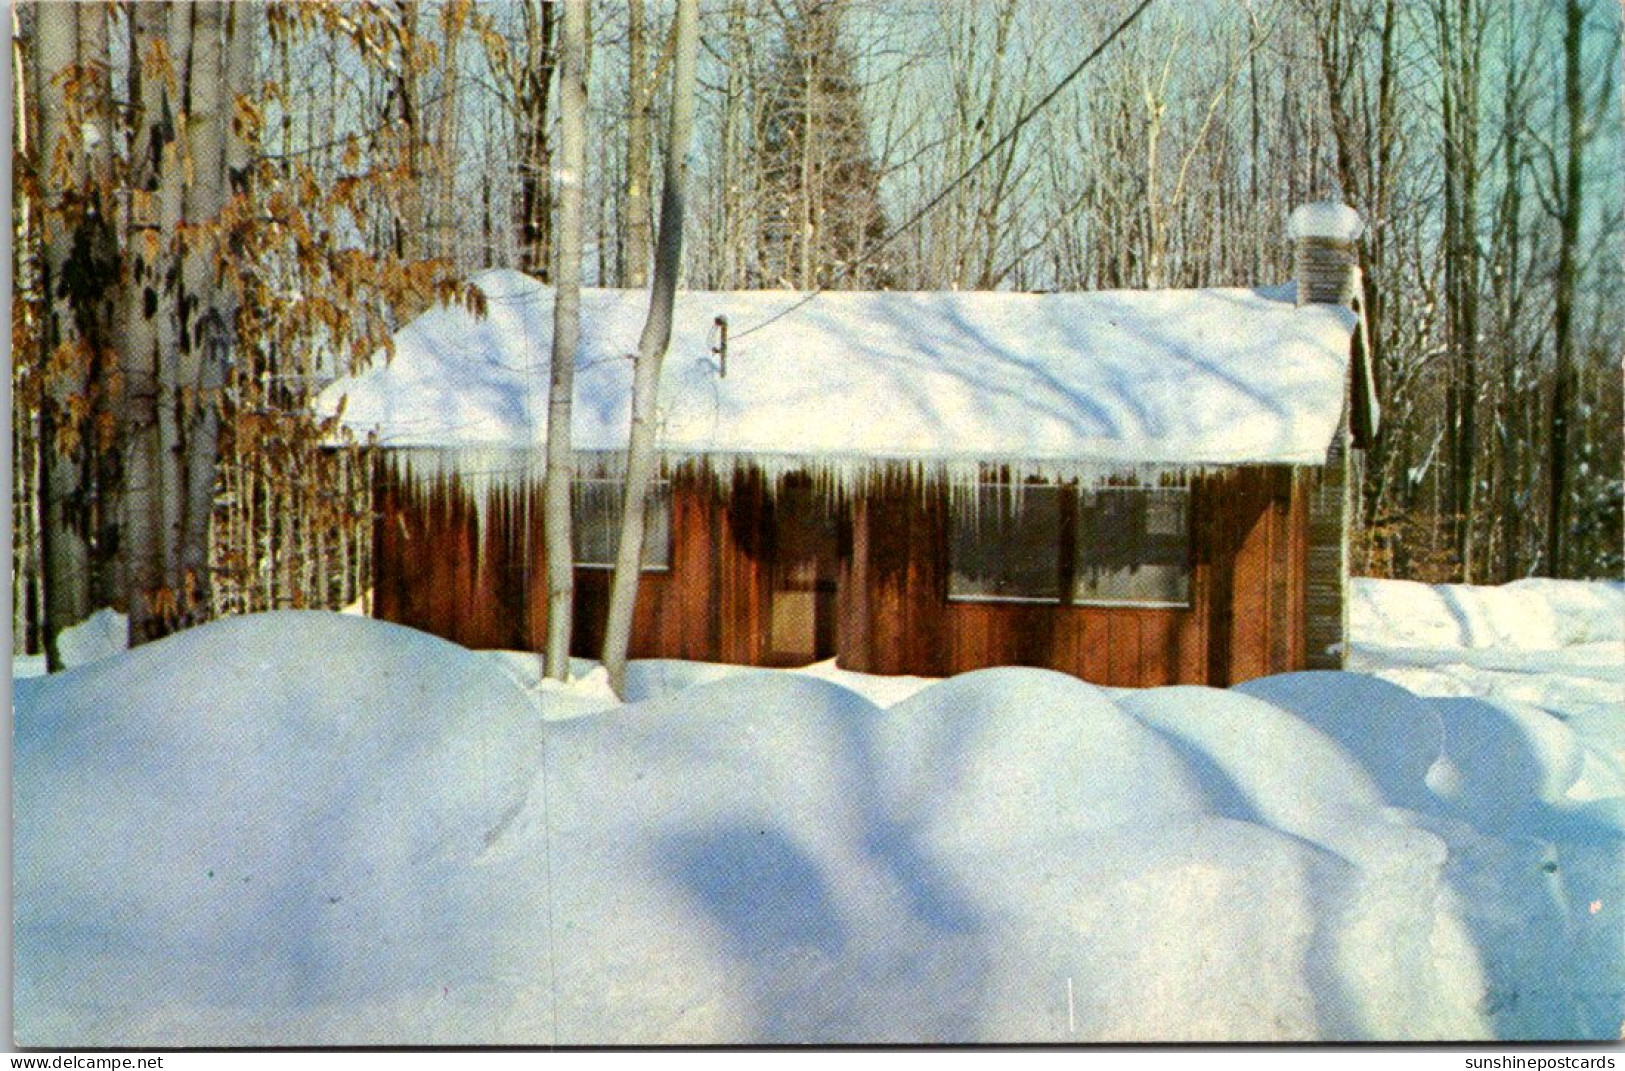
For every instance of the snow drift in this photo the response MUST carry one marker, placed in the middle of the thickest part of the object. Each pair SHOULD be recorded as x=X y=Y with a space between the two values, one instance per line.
x=306 y=828
x=101 y=635
x=1544 y=647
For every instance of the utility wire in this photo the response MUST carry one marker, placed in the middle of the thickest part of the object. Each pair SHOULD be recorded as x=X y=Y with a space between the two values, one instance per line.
x=1005 y=139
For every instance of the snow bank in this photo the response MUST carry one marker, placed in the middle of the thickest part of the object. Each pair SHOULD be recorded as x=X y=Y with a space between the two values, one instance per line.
x=269 y=830
x=1170 y=377
x=1554 y=645
x=319 y=829
x=658 y=678
x=1535 y=837
x=101 y=635
x=1525 y=615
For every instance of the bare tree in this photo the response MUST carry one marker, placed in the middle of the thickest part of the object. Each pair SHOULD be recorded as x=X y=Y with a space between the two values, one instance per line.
x=179 y=310
x=566 y=335
x=640 y=92
x=535 y=207
x=1461 y=41
x=78 y=273
x=1569 y=215
x=652 y=345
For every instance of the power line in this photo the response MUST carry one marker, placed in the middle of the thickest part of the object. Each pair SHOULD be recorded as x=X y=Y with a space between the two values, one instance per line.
x=988 y=154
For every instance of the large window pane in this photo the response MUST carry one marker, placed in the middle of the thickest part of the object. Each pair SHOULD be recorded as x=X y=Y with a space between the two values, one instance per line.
x=1005 y=544
x=596 y=526
x=1133 y=547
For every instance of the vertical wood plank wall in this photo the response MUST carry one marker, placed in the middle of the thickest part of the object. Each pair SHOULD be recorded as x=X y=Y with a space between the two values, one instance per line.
x=1251 y=584
x=709 y=606
x=1326 y=566
x=1245 y=619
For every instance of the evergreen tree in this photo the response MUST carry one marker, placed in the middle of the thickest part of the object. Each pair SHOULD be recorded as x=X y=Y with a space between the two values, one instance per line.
x=821 y=185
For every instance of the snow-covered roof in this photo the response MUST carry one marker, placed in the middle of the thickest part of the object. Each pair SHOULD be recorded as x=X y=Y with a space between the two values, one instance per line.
x=1325 y=219
x=1145 y=378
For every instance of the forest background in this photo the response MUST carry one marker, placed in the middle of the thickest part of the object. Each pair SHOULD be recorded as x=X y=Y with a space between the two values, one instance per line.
x=219 y=208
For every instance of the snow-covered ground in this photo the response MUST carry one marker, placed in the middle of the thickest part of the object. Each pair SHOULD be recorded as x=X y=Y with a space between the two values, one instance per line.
x=1552 y=645
x=101 y=635
x=303 y=828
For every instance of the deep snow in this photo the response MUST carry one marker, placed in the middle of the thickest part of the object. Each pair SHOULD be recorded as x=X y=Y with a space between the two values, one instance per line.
x=1539 y=647
x=101 y=635
x=315 y=828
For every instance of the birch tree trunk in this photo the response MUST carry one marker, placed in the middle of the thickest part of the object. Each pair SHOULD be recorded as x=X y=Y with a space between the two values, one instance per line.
x=446 y=218
x=164 y=600
x=566 y=336
x=652 y=350
x=178 y=310
x=65 y=546
x=205 y=333
x=411 y=221
x=96 y=269
x=140 y=320
x=78 y=276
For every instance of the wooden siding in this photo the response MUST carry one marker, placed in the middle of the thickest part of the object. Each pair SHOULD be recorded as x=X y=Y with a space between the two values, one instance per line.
x=434 y=572
x=1326 y=566
x=886 y=559
x=1244 y=619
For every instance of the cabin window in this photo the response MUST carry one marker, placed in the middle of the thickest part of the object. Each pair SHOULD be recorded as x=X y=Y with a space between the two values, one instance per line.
x=1004 y=545
x=596 y=524
x=1045 y=543
x=1133 y=547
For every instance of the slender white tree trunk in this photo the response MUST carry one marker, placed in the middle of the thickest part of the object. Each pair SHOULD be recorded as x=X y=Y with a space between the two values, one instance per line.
x=140 y=320
x=572 y=163
x=652 y=350
x=178 y=312
x=205 y=329
x=65 y=547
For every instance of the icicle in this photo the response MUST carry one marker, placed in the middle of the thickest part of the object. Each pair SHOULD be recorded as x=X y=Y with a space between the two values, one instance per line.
x=481 y=472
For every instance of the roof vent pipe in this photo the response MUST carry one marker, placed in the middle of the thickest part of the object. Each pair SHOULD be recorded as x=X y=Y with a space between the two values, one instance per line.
x=1323 y=235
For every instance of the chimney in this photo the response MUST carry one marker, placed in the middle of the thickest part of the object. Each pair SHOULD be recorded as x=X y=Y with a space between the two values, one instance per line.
x=1323 y=234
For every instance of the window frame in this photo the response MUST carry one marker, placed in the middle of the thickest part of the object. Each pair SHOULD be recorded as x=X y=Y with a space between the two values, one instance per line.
x=660 y=492
x=1077 y=564
x=1067 y=553
x=1006 y=492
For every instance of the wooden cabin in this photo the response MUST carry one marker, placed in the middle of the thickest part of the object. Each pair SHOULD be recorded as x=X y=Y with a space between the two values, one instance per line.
x=1139 y=488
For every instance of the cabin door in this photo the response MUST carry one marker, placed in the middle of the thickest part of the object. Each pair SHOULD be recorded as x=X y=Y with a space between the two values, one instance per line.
x=801 y=596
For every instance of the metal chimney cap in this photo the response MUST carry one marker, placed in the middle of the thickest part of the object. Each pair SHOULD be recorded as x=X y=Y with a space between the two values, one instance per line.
x=1325 y=219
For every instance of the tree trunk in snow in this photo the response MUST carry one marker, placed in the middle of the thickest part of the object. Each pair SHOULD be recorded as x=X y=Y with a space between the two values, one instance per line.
x=205 y=334
x=178 y=310
x=566 y=335
x=63 y=530
x=97 y=265
x=141 y=320
x=652 y=351
x=78 y=276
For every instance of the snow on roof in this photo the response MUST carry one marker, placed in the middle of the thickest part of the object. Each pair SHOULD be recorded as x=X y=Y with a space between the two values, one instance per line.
x=1325 y=219
x=1169 y=377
